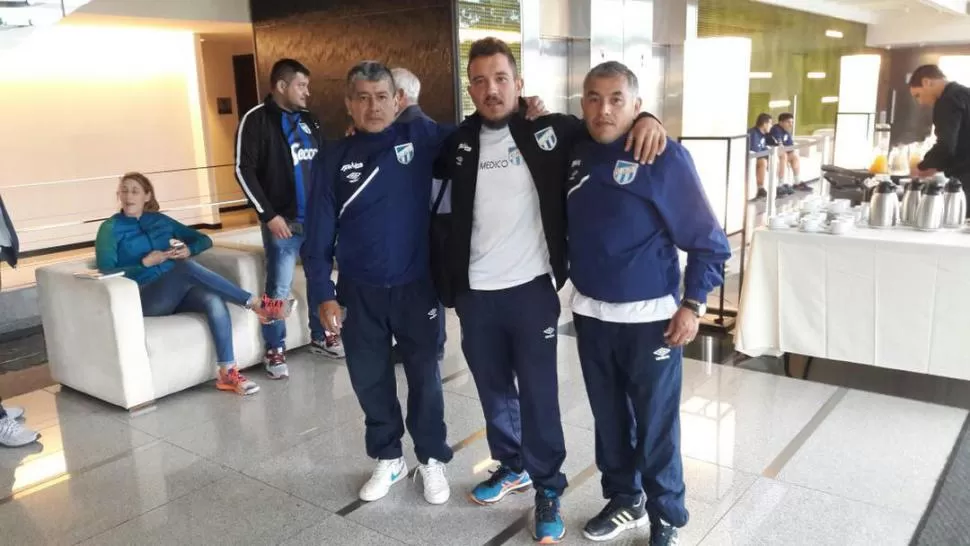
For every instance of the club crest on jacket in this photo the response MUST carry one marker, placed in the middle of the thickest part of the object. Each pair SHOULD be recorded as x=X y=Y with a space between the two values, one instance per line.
x=405 y=153
x=625 y=172
x=547 y=139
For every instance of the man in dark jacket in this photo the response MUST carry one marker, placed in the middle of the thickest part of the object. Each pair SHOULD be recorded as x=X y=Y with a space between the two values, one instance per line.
x=951 y=118
x=276 y=145
x=506 y=261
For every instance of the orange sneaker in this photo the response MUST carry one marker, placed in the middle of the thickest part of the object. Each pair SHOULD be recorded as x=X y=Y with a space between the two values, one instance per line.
x=271 y=310
x=231 y=380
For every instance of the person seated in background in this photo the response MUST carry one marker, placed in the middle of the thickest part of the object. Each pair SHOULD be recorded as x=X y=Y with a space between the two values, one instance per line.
x=152 y=249
x=781 y=135
x=758 y=141
x=12 y=432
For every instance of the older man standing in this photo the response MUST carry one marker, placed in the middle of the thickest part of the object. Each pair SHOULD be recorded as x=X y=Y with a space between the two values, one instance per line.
x=369 y=207
x=626 y=222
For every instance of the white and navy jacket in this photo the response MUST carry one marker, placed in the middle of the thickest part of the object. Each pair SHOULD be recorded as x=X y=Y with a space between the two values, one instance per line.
x=626 y=222
x=369 y=207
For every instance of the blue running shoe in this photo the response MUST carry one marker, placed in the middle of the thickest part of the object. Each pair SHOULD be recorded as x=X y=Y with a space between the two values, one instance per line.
x=502 y=482
x=549 y=527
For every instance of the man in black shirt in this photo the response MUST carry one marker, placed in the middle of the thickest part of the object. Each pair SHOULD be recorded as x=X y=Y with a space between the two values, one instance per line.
x=951 y=118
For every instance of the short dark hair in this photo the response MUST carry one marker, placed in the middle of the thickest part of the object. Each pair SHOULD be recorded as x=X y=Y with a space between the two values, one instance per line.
x=486 y=47
x=285 y=69
x=927 y=71
x=785 y=117
x=612 y=69
x=762 y=119
x=371 y=71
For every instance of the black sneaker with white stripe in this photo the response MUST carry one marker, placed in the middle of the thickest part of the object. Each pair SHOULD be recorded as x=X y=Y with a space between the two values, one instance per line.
x=618 y=516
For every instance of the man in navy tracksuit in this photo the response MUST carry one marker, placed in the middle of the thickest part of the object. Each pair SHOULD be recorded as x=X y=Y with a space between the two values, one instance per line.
x=371 y=192
x=626 y=222
x=781 y=135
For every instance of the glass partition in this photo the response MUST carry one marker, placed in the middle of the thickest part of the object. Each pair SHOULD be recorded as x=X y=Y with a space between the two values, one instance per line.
x=795 y=57
x=478 y=19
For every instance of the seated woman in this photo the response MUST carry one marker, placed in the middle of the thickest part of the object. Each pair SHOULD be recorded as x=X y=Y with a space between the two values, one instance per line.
x=152 y=250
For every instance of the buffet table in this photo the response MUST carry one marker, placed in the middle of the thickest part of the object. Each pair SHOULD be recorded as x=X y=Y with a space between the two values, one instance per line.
x=896 y=298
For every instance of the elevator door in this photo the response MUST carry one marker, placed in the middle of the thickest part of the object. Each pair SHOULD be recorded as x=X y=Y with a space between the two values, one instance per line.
x=563 y=63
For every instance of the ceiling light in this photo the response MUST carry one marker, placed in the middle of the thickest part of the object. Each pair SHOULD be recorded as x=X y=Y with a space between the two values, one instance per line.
x=830 y=100
x=760 y=75
x=779 y=103
x=816 y=75
x=837 y=34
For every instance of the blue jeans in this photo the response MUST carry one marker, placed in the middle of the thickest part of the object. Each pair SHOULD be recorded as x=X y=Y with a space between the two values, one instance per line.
x=191 y=288
x=281 y=256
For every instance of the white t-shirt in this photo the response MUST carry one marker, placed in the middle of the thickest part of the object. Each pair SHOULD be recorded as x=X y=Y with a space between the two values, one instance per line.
x=634 y=312
x=508 y=245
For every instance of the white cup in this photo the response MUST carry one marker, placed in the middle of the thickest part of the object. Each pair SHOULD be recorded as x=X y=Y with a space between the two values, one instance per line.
x=840 y=227
x=811 y=224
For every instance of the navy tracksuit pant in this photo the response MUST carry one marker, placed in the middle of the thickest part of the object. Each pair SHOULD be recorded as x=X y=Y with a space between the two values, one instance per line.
x=507 y=335
x=410 y=314
x=633 y=381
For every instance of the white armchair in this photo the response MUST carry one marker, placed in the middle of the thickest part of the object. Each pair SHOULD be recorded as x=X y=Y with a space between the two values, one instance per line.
x=99 y=343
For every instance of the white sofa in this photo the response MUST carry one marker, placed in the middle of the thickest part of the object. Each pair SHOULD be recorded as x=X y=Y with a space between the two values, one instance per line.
x=99 y=343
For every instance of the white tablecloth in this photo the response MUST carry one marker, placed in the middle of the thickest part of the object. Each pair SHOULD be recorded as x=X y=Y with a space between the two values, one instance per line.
x=895 y=298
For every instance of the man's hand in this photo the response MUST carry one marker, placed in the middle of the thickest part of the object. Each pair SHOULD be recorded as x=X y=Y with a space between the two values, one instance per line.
x=647 y=139
x=923 y=173
x=279 y=228
x=536 y=109
x=179 y=253
x=156 y=257
x=331 y=316
x=682 y=329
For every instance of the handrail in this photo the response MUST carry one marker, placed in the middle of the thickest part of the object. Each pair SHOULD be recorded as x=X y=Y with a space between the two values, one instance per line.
x=93 y=220
x=807 y=142
x=108 y=177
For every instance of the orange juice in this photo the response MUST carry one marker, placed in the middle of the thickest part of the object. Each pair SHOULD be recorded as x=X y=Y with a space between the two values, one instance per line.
x=914 y=161
x=880 y=165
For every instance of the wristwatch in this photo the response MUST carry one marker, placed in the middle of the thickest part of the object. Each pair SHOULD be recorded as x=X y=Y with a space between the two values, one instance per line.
x=699 y=309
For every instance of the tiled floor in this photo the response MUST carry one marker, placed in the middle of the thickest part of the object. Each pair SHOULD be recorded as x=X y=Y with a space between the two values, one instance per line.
x=768 y=460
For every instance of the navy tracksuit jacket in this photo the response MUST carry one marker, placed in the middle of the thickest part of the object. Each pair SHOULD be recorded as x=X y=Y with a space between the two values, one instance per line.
x=369 y=208
x=626 y=222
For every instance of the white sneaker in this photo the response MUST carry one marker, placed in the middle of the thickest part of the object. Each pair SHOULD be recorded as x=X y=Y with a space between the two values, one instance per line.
x=436 y=490
x=13 y=434
x=387 y=473
x=14 y=412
